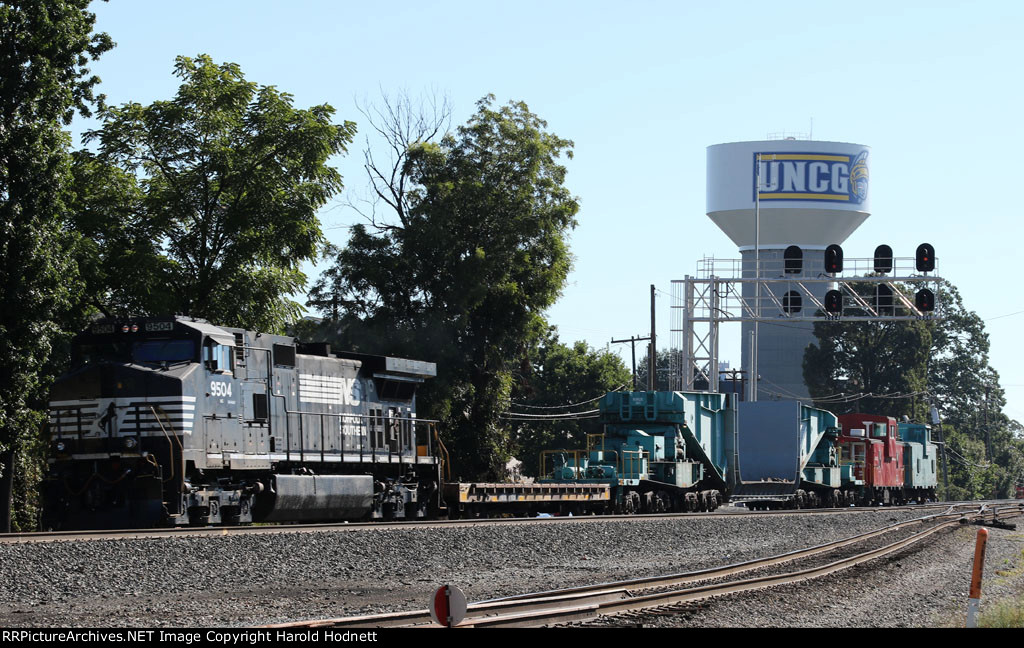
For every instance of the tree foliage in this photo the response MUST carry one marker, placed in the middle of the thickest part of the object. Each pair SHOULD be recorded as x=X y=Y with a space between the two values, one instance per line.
x=465 y=272
x=206 y=204
x=45 y=48
x=551 y=388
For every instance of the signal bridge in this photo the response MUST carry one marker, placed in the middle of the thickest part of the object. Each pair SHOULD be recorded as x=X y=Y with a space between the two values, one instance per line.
x=781 y=292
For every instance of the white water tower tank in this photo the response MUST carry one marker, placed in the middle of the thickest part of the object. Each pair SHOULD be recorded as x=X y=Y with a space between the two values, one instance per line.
x=812 y=194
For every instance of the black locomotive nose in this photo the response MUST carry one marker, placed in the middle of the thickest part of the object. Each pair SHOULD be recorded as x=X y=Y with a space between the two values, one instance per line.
x=113 y=380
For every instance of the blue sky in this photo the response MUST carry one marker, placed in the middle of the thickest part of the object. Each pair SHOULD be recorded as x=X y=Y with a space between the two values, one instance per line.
x=642 y=88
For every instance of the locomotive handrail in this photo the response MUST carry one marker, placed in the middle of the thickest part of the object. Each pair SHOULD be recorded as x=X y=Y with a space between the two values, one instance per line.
x=170 y=445
x=445 y=465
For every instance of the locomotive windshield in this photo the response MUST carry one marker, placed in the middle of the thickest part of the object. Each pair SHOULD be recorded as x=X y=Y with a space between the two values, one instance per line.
x=138 y=352
x=163 y=351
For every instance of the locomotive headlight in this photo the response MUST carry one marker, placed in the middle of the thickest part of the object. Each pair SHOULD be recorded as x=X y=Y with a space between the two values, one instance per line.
x=135 y=328
x=61 y=446
x=125 y=329
x=130 y=443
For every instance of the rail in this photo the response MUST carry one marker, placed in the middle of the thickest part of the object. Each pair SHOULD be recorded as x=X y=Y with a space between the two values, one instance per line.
x=571 y=604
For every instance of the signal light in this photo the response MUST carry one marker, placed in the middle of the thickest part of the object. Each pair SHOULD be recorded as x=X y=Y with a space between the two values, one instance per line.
x=794 y=259
x=833 y=259
x=925 y=300
x=883 y=259
x=834 y=302
x=792 y=302
x=883 y=300
x=925 y=257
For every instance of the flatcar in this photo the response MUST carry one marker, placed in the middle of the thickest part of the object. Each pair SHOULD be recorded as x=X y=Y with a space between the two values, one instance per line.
x=787 y=457
x=172 y=420
x=659 y=452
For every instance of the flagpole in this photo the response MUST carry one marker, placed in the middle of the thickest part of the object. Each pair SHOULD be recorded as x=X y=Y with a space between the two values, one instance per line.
x=757 y=277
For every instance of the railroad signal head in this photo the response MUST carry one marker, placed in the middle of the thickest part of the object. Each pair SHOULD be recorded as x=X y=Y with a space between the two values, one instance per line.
x=794 y=259
x=925 y=300
x=883 y=300
x=834 y=302
x=883 y=259
x=925 y=257
x=833 y=259
x=792 y=302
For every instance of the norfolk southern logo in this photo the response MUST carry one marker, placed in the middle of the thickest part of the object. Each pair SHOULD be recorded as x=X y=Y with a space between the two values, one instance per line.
x=827 y=177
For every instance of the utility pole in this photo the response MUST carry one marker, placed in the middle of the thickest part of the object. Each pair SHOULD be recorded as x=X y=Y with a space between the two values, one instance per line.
x=632 y=345
x=652 y=354
x=652 y=357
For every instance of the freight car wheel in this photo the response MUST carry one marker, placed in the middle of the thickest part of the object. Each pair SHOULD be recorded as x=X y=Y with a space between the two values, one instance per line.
x=666 y=501
x=647 y=502
x=692 y=503
x=635 y=502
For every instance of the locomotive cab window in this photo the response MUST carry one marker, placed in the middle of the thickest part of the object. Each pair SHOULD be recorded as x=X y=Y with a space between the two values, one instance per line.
x=217 y=357
x=159 y=351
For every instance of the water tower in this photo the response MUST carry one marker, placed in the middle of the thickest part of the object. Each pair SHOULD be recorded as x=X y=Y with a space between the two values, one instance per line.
x=812 y=194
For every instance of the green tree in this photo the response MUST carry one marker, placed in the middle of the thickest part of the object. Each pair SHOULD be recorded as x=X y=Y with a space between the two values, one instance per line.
x=662 y=370
x=547 y=409
x=464 y=274
x=44 y=79
x=869 y=366
x=206 y=204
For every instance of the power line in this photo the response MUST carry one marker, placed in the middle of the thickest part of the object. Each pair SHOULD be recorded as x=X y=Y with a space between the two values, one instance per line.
x=584 y=402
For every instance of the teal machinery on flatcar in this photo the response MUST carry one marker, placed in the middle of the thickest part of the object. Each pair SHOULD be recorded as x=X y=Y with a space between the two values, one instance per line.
x=658 y=451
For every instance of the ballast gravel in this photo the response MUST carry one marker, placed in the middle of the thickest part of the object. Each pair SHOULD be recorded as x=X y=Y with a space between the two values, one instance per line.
x=254 y=579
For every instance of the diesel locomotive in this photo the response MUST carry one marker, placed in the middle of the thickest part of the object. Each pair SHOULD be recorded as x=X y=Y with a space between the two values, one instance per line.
x=172 y=420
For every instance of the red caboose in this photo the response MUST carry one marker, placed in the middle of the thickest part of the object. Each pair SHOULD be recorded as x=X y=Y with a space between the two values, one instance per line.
x=871 y=443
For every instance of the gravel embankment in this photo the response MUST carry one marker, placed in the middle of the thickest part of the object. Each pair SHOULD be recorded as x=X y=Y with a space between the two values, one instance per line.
x=245 y=580
x=917 y=588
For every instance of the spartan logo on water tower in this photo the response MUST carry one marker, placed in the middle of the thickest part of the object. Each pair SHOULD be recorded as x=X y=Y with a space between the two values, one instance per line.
x=825 y=177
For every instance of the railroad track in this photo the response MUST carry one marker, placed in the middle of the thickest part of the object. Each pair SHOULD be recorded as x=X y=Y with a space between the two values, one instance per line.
x=121 y=534
x=659 y=593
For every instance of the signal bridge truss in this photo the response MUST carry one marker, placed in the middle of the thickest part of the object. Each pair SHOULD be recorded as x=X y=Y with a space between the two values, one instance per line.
x=728 y=290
